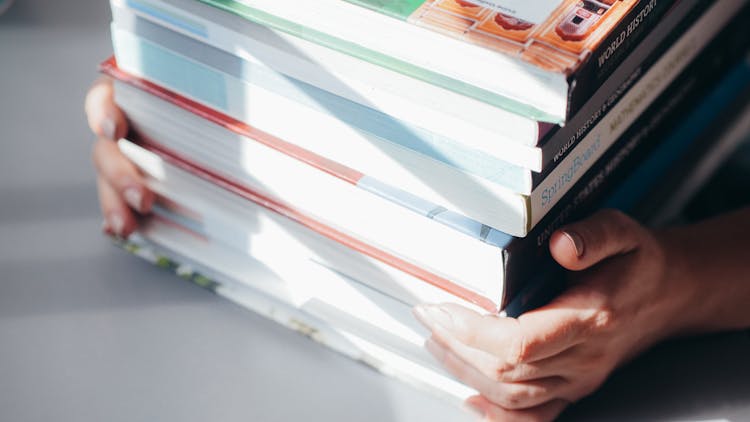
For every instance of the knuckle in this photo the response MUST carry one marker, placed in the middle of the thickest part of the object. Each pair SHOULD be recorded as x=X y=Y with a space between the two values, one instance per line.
x=518 y=351
x=520 y=396
x=602 y=318
x=615 y=216
x=515 y=396
x=503 y=371
x=617 y=225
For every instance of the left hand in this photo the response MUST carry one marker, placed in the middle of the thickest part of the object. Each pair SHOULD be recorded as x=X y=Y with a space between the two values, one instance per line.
x=622 y=300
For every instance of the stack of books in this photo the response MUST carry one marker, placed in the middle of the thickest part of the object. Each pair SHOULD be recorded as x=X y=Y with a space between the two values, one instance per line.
x=332 y=163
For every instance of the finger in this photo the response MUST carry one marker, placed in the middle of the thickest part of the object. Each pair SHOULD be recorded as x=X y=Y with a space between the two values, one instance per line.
x=122 y=175
x=607 y=233
x=118 y=218
x=105 y=119
x=508 y=395
x=570 y=364
x=494 y=413
x=533 y=336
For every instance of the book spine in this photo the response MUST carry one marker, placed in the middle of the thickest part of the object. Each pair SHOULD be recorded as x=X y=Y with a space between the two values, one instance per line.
x=235 y=85
x=417 y=102
x=613 y=49
x=526 y=256
x=420 y=72
x=629 y=108
x=561 y=140
x=680 y=151
x=344 y=332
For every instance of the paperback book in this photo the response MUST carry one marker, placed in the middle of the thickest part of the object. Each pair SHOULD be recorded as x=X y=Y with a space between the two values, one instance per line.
x=556 y=52
x=519 y=256
x=514 y=213
x=239 y=88
x=350 y=317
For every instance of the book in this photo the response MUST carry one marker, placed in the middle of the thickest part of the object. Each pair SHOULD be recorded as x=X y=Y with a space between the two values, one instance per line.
x=268 y=230
x=348 y=317
x=370 y=133
x=548 y=67
x=519 y=257
x=690 y=169
x=513 y=213
x=340 y=312
x=410 y=102
x=656 y=125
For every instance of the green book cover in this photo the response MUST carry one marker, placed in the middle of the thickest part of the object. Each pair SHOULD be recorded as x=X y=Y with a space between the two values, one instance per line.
x=401 y=9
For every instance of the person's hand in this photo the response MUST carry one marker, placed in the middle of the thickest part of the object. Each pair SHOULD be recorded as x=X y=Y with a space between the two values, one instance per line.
x=620 y=302
x=123 y=194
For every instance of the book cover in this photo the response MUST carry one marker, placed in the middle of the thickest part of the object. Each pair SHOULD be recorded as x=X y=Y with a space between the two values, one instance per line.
x=519 y=253
x=555 y=52
x=159 y=54
x=632 y=167
x=557 y=35
x=362 y=324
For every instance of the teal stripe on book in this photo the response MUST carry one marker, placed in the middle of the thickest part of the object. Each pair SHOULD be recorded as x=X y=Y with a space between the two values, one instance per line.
x=168 y=17
x=400 y=9
x=366 y=119
x=174 y=71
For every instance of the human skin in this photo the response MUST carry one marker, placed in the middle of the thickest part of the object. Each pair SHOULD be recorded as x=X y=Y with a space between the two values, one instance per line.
x=123 y=195
x=630 y=287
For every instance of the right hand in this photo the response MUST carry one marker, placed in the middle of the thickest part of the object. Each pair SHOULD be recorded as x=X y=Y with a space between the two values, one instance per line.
x=123 y=195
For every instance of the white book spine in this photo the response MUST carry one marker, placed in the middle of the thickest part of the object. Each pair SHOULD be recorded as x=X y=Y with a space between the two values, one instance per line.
x=409 y=43
x=476 y=123
x=330 y=321
x=266 y=234
x=271 y=102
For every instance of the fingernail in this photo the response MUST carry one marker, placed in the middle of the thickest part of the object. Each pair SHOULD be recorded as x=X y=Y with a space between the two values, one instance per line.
x=577 y=241
x=431 y=315
x=116 y=223
x=435 y=349
x=105 y=227
x=134 y=197
x=109 y=128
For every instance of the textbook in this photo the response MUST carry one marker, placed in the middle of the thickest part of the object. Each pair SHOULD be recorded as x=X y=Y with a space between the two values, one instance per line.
x=553 y=51
x=356 y=320
x=396 y=144
x=490 y=286
x=418 y=104
x=495 y=206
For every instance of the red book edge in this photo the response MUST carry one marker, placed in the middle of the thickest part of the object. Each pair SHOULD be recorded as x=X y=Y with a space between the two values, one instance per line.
x=109 y=67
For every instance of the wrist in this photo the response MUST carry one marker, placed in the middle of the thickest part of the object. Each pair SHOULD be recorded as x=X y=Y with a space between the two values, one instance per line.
x=685 y=294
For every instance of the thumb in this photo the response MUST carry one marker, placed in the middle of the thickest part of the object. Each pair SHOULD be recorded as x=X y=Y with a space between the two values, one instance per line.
x=105 y=119
x=607 y=233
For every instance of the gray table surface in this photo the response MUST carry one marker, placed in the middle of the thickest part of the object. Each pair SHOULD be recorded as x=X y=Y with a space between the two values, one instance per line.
x=89 y=333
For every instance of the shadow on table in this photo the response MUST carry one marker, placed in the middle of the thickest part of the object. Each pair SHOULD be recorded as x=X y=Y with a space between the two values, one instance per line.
x=697 y=378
